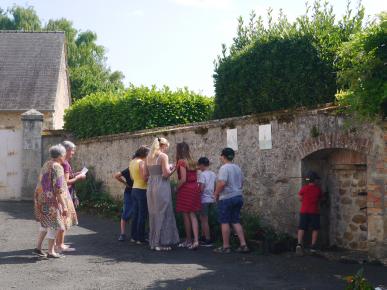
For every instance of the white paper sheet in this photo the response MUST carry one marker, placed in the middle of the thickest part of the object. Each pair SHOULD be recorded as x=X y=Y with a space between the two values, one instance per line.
x=232 y=139
x=265 y=141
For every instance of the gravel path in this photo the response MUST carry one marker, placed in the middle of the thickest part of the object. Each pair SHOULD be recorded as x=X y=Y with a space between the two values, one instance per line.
x=101 y=262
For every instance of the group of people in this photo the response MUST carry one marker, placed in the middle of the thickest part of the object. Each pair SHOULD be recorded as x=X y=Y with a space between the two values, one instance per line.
x=55 y=200
x=148 y=195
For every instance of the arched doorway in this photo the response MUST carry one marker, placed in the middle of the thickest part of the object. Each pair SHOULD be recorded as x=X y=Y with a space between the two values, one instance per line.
x=343 y=175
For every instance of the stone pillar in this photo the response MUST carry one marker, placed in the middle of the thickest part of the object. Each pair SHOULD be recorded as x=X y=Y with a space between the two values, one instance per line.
x=32 y=151
x=377 y=198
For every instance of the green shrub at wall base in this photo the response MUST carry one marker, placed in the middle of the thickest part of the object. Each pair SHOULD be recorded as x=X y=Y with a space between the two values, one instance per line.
x=137 y=108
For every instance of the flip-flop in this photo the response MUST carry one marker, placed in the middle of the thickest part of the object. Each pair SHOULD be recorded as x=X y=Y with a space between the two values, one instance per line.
x=39 y=253
x=56 y=256
x=194 y=246
x=69 y=250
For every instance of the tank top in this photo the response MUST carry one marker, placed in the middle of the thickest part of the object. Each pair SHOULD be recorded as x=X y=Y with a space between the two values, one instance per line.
x=134 y=168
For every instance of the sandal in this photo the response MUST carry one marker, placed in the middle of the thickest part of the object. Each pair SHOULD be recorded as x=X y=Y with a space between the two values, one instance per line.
x=39 y=253
x=243 y=249
x=55 y=256
x=162 y=249
x=194 y=246
x=222 y=250
x=185 y=244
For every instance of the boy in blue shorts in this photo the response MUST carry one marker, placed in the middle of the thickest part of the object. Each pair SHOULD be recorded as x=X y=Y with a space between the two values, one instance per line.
x=124 y=178
x=228 y=192
x=207 y=180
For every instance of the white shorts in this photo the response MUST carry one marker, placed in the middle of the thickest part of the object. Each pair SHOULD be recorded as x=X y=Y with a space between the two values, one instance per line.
x=51 y=233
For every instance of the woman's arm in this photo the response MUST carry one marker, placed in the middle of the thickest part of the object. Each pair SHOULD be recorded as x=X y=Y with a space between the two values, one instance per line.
x=183 y=176
x=165 y=166
x=75 y=179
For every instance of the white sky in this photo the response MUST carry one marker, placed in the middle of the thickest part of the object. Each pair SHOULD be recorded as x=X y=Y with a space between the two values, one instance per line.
x=167 y=42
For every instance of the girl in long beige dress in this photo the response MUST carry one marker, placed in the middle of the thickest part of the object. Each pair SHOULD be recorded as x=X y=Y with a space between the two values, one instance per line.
x=162 y=224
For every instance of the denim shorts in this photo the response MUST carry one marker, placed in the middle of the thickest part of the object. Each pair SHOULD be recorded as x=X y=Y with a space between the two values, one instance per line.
x=229 y=210
x=128 y=205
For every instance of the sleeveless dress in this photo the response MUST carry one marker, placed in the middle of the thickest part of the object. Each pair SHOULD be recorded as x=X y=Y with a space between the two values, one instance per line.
x=188 y=195
x=162 y=223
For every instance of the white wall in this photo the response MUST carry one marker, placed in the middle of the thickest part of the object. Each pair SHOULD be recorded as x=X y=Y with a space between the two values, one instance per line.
x=10 y=163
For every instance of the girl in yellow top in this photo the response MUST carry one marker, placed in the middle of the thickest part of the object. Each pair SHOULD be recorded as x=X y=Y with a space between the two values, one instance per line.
x=140 y=206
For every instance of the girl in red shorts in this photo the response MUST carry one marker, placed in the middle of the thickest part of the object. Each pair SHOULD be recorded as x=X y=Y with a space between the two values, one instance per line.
x=188 y=195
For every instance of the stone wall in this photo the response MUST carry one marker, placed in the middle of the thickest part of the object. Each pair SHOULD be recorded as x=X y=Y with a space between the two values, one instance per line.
x=273 y=176
x=50 y=138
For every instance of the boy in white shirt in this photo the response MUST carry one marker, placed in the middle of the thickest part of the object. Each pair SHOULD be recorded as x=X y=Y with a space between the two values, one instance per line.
x=207 y=180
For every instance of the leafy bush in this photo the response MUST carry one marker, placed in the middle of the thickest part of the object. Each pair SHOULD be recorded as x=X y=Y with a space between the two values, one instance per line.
x=95 y=199
x=363 y=74
x=272 y=75
x=283 y=65
x=136 y=109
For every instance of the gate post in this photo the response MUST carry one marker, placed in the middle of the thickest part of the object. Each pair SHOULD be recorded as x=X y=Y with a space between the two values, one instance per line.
x=31 y=152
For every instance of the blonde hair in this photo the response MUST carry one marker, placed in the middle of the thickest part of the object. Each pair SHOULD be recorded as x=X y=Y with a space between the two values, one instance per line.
x=155 y=148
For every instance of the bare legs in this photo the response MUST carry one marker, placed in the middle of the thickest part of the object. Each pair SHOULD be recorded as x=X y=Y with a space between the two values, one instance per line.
x=191 y=225
x=123 y=226
x=300 y=237
x=187 y=227
x=226 y=234
x=41 y=236
x=195 y=227
x=60 y=240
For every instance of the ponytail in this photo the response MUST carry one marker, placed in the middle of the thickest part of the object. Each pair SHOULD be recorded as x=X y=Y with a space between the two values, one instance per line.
x=155 y=147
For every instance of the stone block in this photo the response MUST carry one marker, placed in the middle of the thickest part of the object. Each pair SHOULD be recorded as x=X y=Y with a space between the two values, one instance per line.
x=353 y=227
x=359 y=219
x=348 y=236
x=353 y=245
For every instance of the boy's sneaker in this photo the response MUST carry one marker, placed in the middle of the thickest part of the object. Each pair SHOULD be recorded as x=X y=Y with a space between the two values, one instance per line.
x=299 y=250
x=206 y=243
x=122 y=237
x=243 y=249
x=313 y=249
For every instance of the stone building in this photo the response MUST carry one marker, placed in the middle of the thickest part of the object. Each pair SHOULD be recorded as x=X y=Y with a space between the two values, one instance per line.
x=33 y=75
x=275 y=150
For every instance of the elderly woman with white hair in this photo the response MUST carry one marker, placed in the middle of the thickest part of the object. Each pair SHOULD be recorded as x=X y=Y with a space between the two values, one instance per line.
x=72 y=200
x=50 y=201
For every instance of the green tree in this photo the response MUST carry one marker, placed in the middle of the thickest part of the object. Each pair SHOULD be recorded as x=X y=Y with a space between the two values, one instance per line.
x=283 y=64
x=86 y=59
x=19 y=18
x=363 y=71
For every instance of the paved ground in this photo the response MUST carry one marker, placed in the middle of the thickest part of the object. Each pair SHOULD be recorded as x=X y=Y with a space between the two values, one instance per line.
x=101 y=262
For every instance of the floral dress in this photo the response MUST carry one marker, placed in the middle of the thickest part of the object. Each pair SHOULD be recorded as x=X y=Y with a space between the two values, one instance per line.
x=47 y=209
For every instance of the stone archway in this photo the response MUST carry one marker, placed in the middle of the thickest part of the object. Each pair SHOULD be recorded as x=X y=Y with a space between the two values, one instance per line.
x=343 y=175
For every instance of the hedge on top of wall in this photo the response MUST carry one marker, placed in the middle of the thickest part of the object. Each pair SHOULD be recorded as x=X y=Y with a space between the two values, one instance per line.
x=137 y=108
x=280 y=64
x=273 y=75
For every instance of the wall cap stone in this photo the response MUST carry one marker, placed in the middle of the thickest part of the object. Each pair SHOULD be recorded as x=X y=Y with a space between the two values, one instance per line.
x=31 y=115
x=261 y=118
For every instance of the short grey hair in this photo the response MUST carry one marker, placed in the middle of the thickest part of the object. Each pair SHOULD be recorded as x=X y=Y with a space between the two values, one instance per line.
x=68 y=145
x=57 y=151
